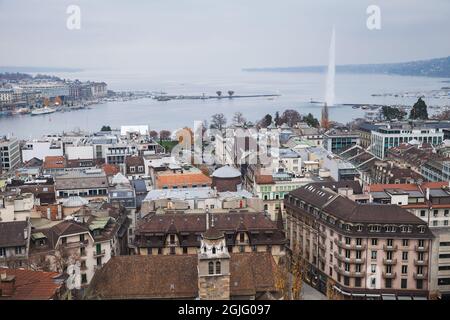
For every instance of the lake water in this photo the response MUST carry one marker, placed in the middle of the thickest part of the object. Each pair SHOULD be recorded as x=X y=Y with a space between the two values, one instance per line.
x=296 y=90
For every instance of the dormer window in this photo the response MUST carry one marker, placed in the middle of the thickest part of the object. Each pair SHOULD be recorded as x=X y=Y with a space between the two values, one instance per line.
x=214 y=250
x=422 y=229
x=359 y=228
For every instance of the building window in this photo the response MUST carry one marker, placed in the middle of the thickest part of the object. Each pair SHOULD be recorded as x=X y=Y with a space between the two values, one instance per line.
x=422 y=213
x=405 y=255
x=83 y=278
x=185 y=250
x=374 y=255
x=405 y=242
x=358 y=241
x=210 y=267
x=346 y=281
x=159 y=250
x=348 y=240
x=388 y=283
x=404 y=283
x=373 y=268
x=358 y=282
x=218 y=269
x=390 y=242
x=374 y=241
x=404 y=269
x=419 y=284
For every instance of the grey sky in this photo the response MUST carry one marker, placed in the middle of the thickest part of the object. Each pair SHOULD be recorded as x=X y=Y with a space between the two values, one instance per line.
x=215 y=35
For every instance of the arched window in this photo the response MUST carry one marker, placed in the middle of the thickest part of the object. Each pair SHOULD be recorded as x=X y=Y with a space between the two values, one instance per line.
x=211 y=267
x=214 y=250
x=218 y=271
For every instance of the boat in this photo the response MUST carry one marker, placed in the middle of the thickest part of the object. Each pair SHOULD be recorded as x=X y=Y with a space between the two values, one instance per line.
x=40 y=111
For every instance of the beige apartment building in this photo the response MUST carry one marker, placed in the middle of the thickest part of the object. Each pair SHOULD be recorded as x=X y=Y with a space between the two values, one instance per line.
x=358 y=251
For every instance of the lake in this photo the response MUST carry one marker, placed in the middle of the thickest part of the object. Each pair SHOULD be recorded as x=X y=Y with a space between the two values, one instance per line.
x=296 y=90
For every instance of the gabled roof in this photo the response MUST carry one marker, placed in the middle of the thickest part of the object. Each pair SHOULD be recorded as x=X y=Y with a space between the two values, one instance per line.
x=33 y=285
x=176 y=276
x=13 y=233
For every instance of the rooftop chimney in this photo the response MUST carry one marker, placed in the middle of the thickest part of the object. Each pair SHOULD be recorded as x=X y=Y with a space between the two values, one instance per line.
x=7 y=285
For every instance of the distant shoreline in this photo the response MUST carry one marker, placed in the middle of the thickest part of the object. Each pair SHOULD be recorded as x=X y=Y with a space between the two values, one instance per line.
x=433 y=68
x=25 y=69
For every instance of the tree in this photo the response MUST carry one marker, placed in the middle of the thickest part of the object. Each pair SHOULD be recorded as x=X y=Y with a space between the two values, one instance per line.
x=277 y=119
x=390 y=113
x=106 y=128
x=419 y=110
x=311 y=121
x=153 y=134
x=164 y=135
x=291 y=117
x=238 y=118
x=266 y=121
x=230 y=93
x=444 y=115
x=219 y=93
x=218 y=121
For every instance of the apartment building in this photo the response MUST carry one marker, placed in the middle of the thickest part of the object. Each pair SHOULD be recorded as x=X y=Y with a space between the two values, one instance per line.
x=385 y=138
x=358 y=251
x=9 y=153
x=430 y=202
x=171 y=234
x=14 y=243
x=87 y=241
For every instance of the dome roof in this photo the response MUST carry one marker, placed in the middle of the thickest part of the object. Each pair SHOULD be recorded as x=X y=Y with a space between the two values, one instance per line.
x=74 y=202
x=226 y=172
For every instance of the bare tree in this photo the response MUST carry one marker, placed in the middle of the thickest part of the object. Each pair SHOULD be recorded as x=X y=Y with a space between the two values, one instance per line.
x=238 y=118
x=291 y=117
x=153 y=134
x=219 y=93
x=230 y=93
x=164 y=135
x=218 y=121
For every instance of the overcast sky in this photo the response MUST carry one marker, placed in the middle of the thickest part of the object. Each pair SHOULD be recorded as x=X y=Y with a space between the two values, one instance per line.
x=218 y=34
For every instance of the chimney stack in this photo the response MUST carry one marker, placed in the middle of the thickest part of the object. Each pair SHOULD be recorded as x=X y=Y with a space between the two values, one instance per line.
x=7 y=285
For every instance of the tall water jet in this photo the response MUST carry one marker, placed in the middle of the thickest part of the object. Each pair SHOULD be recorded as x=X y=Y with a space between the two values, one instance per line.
x=329 y=94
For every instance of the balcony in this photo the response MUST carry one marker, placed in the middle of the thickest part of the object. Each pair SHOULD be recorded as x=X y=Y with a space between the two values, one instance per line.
x=390 y=248
x=343 y=245
x=420 y=262
x=349 y=260
x=352 y=274
x=420 y=276
x=98 y=253
x=389 y=262
x=421 y=248
x=389 y=275
x=75 y=244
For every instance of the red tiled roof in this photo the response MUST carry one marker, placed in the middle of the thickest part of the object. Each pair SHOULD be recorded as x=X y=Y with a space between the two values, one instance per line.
x=32 y=285
x=110 y=169
x=382 y=187
x=54 y=162
x=181 y=179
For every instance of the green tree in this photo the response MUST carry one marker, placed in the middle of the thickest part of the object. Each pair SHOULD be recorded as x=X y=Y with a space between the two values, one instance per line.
x=106 y=128
x=266 y=121
x=419 y=110
x=390 y=113
x=277 y=119
x=311 y=121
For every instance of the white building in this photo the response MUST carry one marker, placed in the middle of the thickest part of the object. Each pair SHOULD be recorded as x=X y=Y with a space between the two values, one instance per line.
x=40 y=149
x=80 y=152
x=385 y=138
